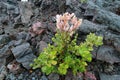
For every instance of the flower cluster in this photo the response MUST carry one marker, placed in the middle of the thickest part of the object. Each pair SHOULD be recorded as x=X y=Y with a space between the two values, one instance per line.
x=68 y=22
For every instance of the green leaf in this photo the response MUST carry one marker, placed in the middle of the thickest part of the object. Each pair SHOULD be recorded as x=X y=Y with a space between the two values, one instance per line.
x=54 y=62
x=62 y=70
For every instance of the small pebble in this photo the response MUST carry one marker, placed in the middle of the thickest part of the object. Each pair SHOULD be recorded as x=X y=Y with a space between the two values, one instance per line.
x=20 y=76
x=33 y=78
x=43 y=78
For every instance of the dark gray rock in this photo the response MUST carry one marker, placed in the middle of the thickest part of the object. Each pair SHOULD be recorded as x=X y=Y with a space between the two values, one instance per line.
x=100 y=3
x=112 y=6
x=109 y=37
x=47 y=38
x=70 y=76
x=16 y=43
x=3 y=8
x=2 y=61
x=103 y=15
x=23 y=54
x=9 y=10
x=109 y=68
x=4 y=39
x=42 y=45
x=9 y=6
x=20 y=49
x=5 y=53
x=25 y=11
x=45 y=4
x=107 y=54
x=74 y=7
x=17 y=20
x=53 y=76
x=1 y=30
x=4 y=50
x=52 y=27
x=108 y=18
x=116 y=44
x=36 y=2
x=10 y=76
x=18 y=24
x=22 y=35
x=109 y=77
x=87 y=27
x=44 y=78
x=12 y=1
x=33 y=78
x=21 y=76
x=108 y=5
x=3 y=72
x=112 y=38
x=68 y=2
x=36 y=12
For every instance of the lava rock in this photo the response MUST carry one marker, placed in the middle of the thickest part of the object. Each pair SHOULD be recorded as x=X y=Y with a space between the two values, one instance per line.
x=9 y=10
x=109 y=68
x=4 y=39
x=53 y=76
x=22 y=35
x=109 y=77
x=112 y=38
x=44 y=78
x=45 y=4
x=3 y=72
x=47 y=38
x=16 y=43
x=117 y=44
x=70 y=76
x=1 y=31
x=20 y=77
x=9 y=6
x=10 y=76
x=108 y=18
x=25 y=11
x=87 y=27
x=5 y=53
x=23 y=54
x=107 y=54
x=104 y=16
x=68 y=2
x=42 y=45
x=52 y=27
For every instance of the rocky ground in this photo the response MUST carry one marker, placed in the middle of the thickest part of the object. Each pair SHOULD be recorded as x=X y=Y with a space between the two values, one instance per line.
x=27 y=27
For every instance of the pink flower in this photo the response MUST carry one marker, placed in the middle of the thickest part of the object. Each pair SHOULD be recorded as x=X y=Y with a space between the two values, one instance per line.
x=68 y=22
